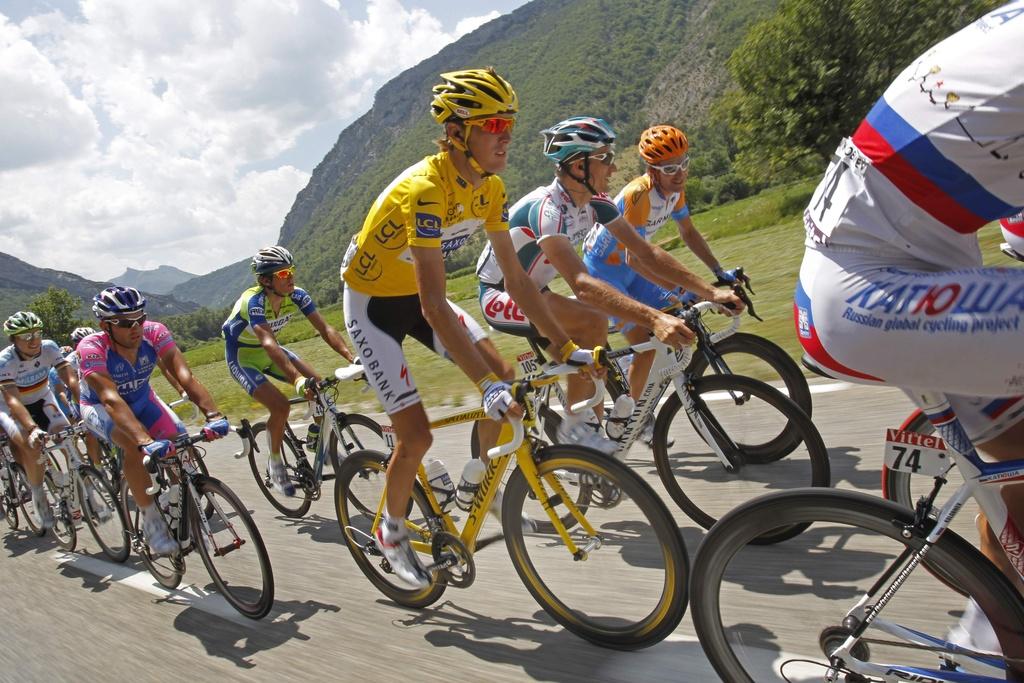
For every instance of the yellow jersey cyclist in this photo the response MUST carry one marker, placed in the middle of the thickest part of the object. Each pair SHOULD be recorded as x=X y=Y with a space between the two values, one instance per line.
x=646 y=203
x=29 y=408
x=394 y=280
x=119 y=405
x=547 y=224
x=252 y=351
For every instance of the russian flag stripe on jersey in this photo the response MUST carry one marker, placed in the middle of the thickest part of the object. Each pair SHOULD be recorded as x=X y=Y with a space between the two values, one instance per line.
x=913 y=164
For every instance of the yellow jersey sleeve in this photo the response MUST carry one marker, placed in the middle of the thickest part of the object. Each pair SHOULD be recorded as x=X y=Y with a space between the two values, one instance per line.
x=497 y=218
x=424 y=207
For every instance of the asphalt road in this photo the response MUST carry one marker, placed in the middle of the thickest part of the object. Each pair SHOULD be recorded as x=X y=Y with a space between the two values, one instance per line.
x=66 y=616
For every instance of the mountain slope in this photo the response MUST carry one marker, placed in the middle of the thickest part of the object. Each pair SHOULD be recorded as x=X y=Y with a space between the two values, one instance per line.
x=160 y=280
x=633 y=62
x=21 y=282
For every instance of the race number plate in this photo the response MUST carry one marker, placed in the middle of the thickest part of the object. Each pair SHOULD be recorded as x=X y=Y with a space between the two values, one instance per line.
x=916 y=453
x=388 y=432
x=527 y=363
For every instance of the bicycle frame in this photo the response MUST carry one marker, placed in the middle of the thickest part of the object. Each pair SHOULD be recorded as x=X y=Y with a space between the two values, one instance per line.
x=521 y=447
x=983 y=482
x=669 y=367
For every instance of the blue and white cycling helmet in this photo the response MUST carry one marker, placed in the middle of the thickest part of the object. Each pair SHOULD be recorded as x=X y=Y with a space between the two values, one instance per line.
x=80 y=333
x=576 y=137
x=115 y=301
x=271 y=259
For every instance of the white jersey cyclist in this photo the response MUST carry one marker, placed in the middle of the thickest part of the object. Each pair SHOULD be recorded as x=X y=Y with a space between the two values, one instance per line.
x=544 y=213
x=891 y=288
x=31 y=378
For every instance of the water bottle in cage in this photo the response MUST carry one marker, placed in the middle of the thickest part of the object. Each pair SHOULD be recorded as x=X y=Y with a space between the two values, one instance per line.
x=619 y=416
x=469 y=484
x=440 y=482
x=313 y=437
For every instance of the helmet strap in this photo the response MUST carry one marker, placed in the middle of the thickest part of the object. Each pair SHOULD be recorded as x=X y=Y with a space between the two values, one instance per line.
x=463 y=146
x=585 y=178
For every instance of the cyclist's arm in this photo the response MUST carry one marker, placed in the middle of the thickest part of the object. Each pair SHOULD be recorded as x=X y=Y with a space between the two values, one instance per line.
x=173 y=364
x=430 y=280
x=657 y=259
x=599 y=294
x=523 y=290
x=175 y=384
x=16 y=408
x=641 y=267
x=70 y=378
x=696 y=243
x=330 y=335
x=269 y=343
x=104 y=387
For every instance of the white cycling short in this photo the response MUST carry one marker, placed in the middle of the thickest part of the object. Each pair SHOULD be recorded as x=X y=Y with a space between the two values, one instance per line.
x=378 y=325
x=44 y=412
x=961 y=332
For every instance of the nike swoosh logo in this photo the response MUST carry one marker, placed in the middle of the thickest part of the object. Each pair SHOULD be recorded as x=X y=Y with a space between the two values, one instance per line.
x=420 y=202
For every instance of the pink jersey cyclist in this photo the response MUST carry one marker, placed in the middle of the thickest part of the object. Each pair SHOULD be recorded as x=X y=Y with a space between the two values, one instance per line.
x=891 y=288
x=97 y=354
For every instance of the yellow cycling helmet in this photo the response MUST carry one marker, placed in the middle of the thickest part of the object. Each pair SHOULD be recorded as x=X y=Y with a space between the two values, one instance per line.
x=471 y=94
x=659 y=143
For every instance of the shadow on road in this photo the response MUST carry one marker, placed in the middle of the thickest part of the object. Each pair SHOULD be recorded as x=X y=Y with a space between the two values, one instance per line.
x=543 y=650
x=224 y=639
x=319 y=528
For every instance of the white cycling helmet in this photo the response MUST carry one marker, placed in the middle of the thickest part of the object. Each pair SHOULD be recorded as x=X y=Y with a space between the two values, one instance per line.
x=1013 y=233
x=80 y=333
x=271 y=259
x=114 y=301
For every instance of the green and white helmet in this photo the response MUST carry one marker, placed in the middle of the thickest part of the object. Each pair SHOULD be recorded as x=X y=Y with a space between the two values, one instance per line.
x=22 y=321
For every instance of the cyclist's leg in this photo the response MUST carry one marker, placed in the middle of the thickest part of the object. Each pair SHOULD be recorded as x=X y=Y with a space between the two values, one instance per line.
x=24 y=455
x=377 y=326
x=487 y=430
x=585 y=325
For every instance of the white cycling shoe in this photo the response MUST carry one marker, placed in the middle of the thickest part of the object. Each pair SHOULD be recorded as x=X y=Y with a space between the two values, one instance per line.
x=974 y=632
x=581 y=433
x=158 y=536
x=44 y=513
x=402 y=558
x=279 y=478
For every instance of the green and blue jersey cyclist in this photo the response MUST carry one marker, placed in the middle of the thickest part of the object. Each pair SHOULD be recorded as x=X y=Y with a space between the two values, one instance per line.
x=252 y=351
x=394 y=279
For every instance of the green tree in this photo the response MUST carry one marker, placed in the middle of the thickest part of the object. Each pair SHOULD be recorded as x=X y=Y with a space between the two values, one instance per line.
x=806 y=76
x=58 y=308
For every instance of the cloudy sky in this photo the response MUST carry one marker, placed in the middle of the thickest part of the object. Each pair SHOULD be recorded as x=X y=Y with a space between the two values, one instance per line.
x=179 y=131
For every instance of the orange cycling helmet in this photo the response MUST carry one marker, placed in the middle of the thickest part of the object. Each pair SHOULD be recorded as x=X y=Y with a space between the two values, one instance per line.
x=659 y=143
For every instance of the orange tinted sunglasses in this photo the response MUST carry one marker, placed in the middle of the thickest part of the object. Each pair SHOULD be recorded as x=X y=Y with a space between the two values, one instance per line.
x=285 y=273
x=495 y=125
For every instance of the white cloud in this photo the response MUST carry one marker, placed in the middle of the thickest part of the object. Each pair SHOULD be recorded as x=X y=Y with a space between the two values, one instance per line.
x=126 y=131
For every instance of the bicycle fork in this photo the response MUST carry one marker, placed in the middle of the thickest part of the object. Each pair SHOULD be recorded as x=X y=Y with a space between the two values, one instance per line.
x=534 y=479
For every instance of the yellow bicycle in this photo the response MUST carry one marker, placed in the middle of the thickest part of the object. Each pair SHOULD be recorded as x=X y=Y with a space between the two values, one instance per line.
x=601 y=552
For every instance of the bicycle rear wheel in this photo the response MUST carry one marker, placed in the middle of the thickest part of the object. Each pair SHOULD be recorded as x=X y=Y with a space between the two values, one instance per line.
x=63 y=529
x=259 y=462
x=358 y=493
x=696 y=477
x=102 y=514
x=776 y=613
x=232 y=548
x=632 y=590
x=23 y=490
x=167 y=570
x=358 y=433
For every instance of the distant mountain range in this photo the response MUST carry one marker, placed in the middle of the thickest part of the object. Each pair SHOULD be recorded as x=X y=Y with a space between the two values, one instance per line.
x=21 y=282
x=160 y=280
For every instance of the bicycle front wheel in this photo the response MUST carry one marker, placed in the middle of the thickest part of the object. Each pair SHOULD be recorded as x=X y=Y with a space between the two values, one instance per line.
x=358 y=494
x=167 y=570
x=259 y=462
x=23 y=491
x=10 y=499
x=103 y=514
x=696 y=477
x=774 y=613
x=631 y=591
x=63 y=529
x=232 y=548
